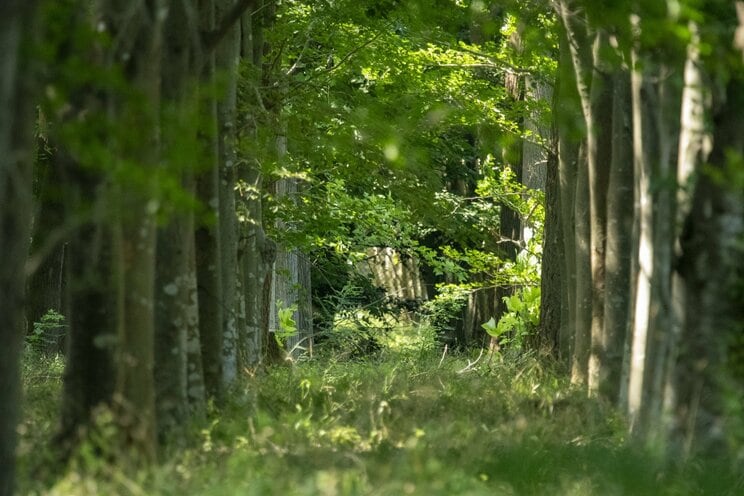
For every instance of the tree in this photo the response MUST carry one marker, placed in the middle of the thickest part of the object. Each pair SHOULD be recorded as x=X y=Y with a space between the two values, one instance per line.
x=17 y=22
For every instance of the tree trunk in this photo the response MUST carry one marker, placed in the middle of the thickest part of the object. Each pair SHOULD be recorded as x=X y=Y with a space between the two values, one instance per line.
x=661 y=339
x=257 y=252
x=567 y=116
x=694 y=142
x=45 y=286
x=582 y=234
x=226 y=66
x=89 y=372
x=594 y=92
x=16 y=145
x=619 y=243
x=135 y=146
x=286 y=283
x=643 y=138
x=178 y=373
x=599 y=157
x=208 y=263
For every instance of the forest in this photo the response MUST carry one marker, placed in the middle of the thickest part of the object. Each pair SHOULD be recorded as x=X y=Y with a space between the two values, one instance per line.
x=336 y=247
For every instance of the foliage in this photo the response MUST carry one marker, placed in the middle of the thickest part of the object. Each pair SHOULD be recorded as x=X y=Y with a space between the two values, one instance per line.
x=48 y=331
x=287 y=324
x=521 y=319
x=395 y=119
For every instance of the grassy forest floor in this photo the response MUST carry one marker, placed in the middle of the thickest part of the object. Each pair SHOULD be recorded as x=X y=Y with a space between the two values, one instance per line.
x=404 y=422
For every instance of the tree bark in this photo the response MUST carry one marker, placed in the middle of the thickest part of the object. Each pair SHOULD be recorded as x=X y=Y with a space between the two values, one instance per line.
x=582 y=234
x=208 y=263
x=178 y=371
x=567 y=117
x=88 y=382
x=645 y=141
x=226 y=65
x=16 y=145
x=619 y=243
x=599 y=155
x=135 y=146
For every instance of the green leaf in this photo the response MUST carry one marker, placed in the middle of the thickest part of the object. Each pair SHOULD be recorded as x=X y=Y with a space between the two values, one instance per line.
x=490 y=326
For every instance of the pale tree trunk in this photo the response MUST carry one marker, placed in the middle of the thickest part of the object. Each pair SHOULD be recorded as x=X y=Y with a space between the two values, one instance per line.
x=134 y=230
x=582 y=233
x=619 y=242
x=594 y=85
x=644 y=152
x=286 y=280
x=226 y=66
x=16 y=150
x=582 y=60
x=291 y=281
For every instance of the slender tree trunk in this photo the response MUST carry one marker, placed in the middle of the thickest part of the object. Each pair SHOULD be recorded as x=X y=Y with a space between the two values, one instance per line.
x=540 y=172
x=599 y=152
x=594 y=93
x=208 y=263
x=286 y=284
x=582 y=234
x=257 y=253
x=16 y=146
x=226 y=64
x=619 y=242
x=644 y=152
x=567 y=112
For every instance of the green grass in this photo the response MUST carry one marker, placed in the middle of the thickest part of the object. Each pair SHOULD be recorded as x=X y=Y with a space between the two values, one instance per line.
x=404 y=423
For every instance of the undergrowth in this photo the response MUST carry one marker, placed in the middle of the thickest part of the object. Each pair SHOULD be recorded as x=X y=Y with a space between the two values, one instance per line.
x=403 y=423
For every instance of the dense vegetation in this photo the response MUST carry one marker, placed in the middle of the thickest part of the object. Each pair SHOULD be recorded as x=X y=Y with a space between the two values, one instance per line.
x=380 y=246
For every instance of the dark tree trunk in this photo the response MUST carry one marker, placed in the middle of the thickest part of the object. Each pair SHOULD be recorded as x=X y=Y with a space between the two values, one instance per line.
x=711 y=264
x=47 y=253
x=208 y=263
x=16 y=149
x=89 y=371
x=551 y=280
